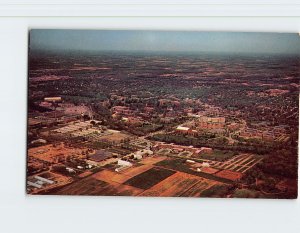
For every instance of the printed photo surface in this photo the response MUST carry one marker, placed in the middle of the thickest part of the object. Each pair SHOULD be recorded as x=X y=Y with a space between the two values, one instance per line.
x=163 y=113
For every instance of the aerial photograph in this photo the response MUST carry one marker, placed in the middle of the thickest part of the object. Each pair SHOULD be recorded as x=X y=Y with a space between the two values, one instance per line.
x=163 y=113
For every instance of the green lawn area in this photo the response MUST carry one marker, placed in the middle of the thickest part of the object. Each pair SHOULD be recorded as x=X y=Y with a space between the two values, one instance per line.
x=149 y=178
x=218 y=155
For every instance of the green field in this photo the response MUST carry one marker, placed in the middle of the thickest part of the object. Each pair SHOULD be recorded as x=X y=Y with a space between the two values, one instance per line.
x=149 y=178
x=218 y=155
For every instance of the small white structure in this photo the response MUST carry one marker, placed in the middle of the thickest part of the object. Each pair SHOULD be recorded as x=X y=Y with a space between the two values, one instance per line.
x=71 y=170
x=190 y=161
x=204 y=164
x=53 y=99
x=124 y=163
x=138 y=155
x=182 y=128
x=44 y=180
x=34 y=184
x=42 y=141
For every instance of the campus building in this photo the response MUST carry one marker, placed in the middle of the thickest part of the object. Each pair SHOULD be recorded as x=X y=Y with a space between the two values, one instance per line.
x=211 y=122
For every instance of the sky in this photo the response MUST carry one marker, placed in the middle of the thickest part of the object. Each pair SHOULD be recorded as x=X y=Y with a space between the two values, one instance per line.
x=165 y=41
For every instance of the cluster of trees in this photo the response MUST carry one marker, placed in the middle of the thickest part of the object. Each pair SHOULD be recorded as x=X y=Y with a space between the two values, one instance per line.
x=282 y=163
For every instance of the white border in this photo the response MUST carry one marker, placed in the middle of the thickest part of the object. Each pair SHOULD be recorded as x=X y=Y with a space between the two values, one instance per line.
x=22 y=213
x=150 y=8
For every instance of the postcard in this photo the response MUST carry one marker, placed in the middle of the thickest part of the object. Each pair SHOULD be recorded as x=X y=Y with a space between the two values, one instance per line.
x=163 y=113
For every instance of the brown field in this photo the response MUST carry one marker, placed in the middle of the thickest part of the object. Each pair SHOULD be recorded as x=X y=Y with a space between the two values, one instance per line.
x=115 y=137
x=179 y=184
x=230 y=175
x=197 y=189
x=153 y=160
x=91 y=186
x=110 y=176
x=121 y=177
x=84 y=174
x=120 y=190
x=209 y=170
x=134 y=171
x=51 y=153
x=144 y=180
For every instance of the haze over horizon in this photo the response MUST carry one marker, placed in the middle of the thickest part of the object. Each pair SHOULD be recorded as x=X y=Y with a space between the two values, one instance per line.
x=164 y=41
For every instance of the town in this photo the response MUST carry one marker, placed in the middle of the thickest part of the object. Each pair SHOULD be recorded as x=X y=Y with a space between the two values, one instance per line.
x=163 y=125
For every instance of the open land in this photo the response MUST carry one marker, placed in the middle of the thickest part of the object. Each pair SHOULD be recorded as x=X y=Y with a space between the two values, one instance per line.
x=180 y=125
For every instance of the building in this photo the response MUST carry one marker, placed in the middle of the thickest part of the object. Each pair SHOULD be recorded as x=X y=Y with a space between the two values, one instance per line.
x=52 y=99
x=186 y=130
x=139 y=154
x=121 y=110
x=233 y=126
x=123 y=165
x=39 y=141
x=179 y=148
x=46 y=104
x=207 y=123
x=39 y=182
x=251 y=133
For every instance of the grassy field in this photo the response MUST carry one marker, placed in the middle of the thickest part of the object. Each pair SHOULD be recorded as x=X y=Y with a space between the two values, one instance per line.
x=218 y=155
x=149 y=178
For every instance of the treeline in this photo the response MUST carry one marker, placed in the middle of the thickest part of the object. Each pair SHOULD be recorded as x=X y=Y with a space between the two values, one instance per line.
x=282 y=162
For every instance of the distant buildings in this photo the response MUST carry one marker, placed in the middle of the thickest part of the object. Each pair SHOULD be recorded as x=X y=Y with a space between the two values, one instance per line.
x=211 y=122
x=178 y=149
x=53 y=99
x=39 y=182
x=233 y=126
x=140 y=153
x=121 y=110
x=39 y=141
x=186 y=130
x=273 y=134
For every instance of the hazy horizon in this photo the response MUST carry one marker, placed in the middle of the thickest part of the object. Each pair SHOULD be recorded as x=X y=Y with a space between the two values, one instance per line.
x=164 y=41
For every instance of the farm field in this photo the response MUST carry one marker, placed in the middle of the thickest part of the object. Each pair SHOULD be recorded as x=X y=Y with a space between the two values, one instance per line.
x=115 y=137
x=179 y=184
x=121 y=177
x=149 y=178
x=153 y=160
x=50 y=153
x=143 y=180
x=92 y=186
x=240 y=163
